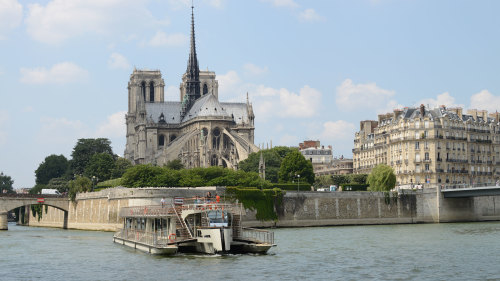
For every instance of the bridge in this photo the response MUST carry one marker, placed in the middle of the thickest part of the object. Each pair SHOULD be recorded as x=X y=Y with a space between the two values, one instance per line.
x=464 y=191
x=8 y=202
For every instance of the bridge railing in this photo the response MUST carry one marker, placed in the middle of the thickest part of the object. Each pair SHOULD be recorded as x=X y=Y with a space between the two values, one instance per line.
x=463 y=186
x=30 y=196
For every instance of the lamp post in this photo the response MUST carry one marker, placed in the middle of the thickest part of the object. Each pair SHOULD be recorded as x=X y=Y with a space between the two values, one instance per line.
x=298 y=182
x=93 y=183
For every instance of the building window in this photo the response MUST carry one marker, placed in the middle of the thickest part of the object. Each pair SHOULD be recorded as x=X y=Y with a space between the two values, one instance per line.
x=161 y=140
x=205 y=89
x=417 y=145
x=151 y=91
x=143 y=90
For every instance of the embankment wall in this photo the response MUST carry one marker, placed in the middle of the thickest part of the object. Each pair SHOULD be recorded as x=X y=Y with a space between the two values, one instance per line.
x=99 y=210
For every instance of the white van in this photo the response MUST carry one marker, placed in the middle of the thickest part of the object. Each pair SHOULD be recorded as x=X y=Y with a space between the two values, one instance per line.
x=50 y=191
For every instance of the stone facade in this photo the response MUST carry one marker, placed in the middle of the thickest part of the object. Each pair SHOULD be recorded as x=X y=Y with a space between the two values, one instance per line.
x=436 y=146
x=198 y=129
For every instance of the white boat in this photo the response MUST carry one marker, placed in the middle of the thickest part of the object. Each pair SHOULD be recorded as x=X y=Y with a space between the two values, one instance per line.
x=190 y=226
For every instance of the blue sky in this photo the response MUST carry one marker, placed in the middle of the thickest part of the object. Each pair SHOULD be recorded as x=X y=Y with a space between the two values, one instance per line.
x=313 y=69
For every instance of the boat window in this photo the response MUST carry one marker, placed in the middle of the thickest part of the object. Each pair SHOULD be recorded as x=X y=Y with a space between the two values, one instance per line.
x=218 y=218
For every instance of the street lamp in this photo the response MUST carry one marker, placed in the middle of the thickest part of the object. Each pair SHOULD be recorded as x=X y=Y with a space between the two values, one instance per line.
x=93 y=183
x=298 y=182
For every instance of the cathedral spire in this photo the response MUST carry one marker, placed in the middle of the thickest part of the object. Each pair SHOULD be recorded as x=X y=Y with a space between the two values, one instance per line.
x=192 y=73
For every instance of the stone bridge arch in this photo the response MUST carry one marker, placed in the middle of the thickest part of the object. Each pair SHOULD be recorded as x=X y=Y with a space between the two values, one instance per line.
x=8 y=204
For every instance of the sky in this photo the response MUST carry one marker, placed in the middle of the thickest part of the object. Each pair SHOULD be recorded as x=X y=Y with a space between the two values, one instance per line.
x=312 y=69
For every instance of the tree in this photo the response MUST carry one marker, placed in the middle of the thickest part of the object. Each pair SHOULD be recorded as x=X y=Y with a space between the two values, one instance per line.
x=61 y=184
x=322 y=181
x=295 y=164
x=382 y=178
x=358 y=178
x=6 y=183
x=175 y=164
x=79 y=184
x=339 y=180
x=121 y=166
x=85 y=149
x=54 y=166
x=100 y=165
x=272 y=159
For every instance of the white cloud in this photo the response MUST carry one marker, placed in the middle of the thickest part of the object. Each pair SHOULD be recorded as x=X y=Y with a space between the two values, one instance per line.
x=283 y=3
x=267 y=99
x=163 y=39
x=254 y=70
x=4 y=118
x=61 y=73
x=230 y=85
x=60 y=20
x=442 y=99
x=304 y=104
x=11 y=15
x=337 y=130
x=118 y=61
x=485 y=100
x=310 y=15
x=360 y=97
x=113 y=127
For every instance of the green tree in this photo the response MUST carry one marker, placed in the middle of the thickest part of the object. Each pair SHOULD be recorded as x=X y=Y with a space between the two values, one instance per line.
x=6 y=183
x=61 y=184
x=121 y=166
x=382 y=178
x=322 y=181
x=54 y=166
x=283 y=150
x=358 y=178
x=85 y=149
x=78 y=185
x=175 y=164
x=101 y=166
x=295 y=164
x=272 y=160
x=37 y=189
x=340 y=179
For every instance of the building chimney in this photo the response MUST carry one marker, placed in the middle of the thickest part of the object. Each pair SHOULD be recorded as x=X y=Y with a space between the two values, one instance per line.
x=473 y=112
x=422 y=110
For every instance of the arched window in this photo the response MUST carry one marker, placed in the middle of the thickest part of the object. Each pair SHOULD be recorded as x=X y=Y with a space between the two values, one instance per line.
x=143 y=90
x=205 y=89
x=161 y=140
x=152 y=91
x=172 y=138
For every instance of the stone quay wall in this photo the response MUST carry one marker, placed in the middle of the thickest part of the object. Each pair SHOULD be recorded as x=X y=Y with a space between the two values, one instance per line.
x=99 y=210
x=339 y=208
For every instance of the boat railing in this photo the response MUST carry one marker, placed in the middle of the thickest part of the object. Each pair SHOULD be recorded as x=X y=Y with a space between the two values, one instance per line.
x=145 y=237
x=257 y=235
x=166 y=210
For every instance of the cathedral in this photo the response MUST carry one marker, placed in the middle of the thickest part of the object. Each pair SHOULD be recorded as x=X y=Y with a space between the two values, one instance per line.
x=198 y=129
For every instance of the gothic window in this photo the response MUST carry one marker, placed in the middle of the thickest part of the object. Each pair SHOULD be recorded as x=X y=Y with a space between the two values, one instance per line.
x=172 y=138
x=143 y=90
x=205 y=89
x=151 y=91
x=161 y=140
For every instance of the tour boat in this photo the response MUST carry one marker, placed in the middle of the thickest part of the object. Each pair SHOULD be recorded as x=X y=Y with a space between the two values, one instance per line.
x=195 y=225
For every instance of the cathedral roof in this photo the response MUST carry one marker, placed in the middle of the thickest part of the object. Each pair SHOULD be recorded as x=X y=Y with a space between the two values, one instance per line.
x=171 y=111
x=206 y=106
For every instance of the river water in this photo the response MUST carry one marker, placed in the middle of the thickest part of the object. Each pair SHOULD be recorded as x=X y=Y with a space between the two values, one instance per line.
x=461 y=251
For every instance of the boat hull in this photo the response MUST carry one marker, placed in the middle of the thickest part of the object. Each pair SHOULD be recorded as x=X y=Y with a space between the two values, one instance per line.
x=154 y=250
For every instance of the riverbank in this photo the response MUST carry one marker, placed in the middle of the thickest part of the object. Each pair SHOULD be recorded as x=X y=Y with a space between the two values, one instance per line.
x=99 y=210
